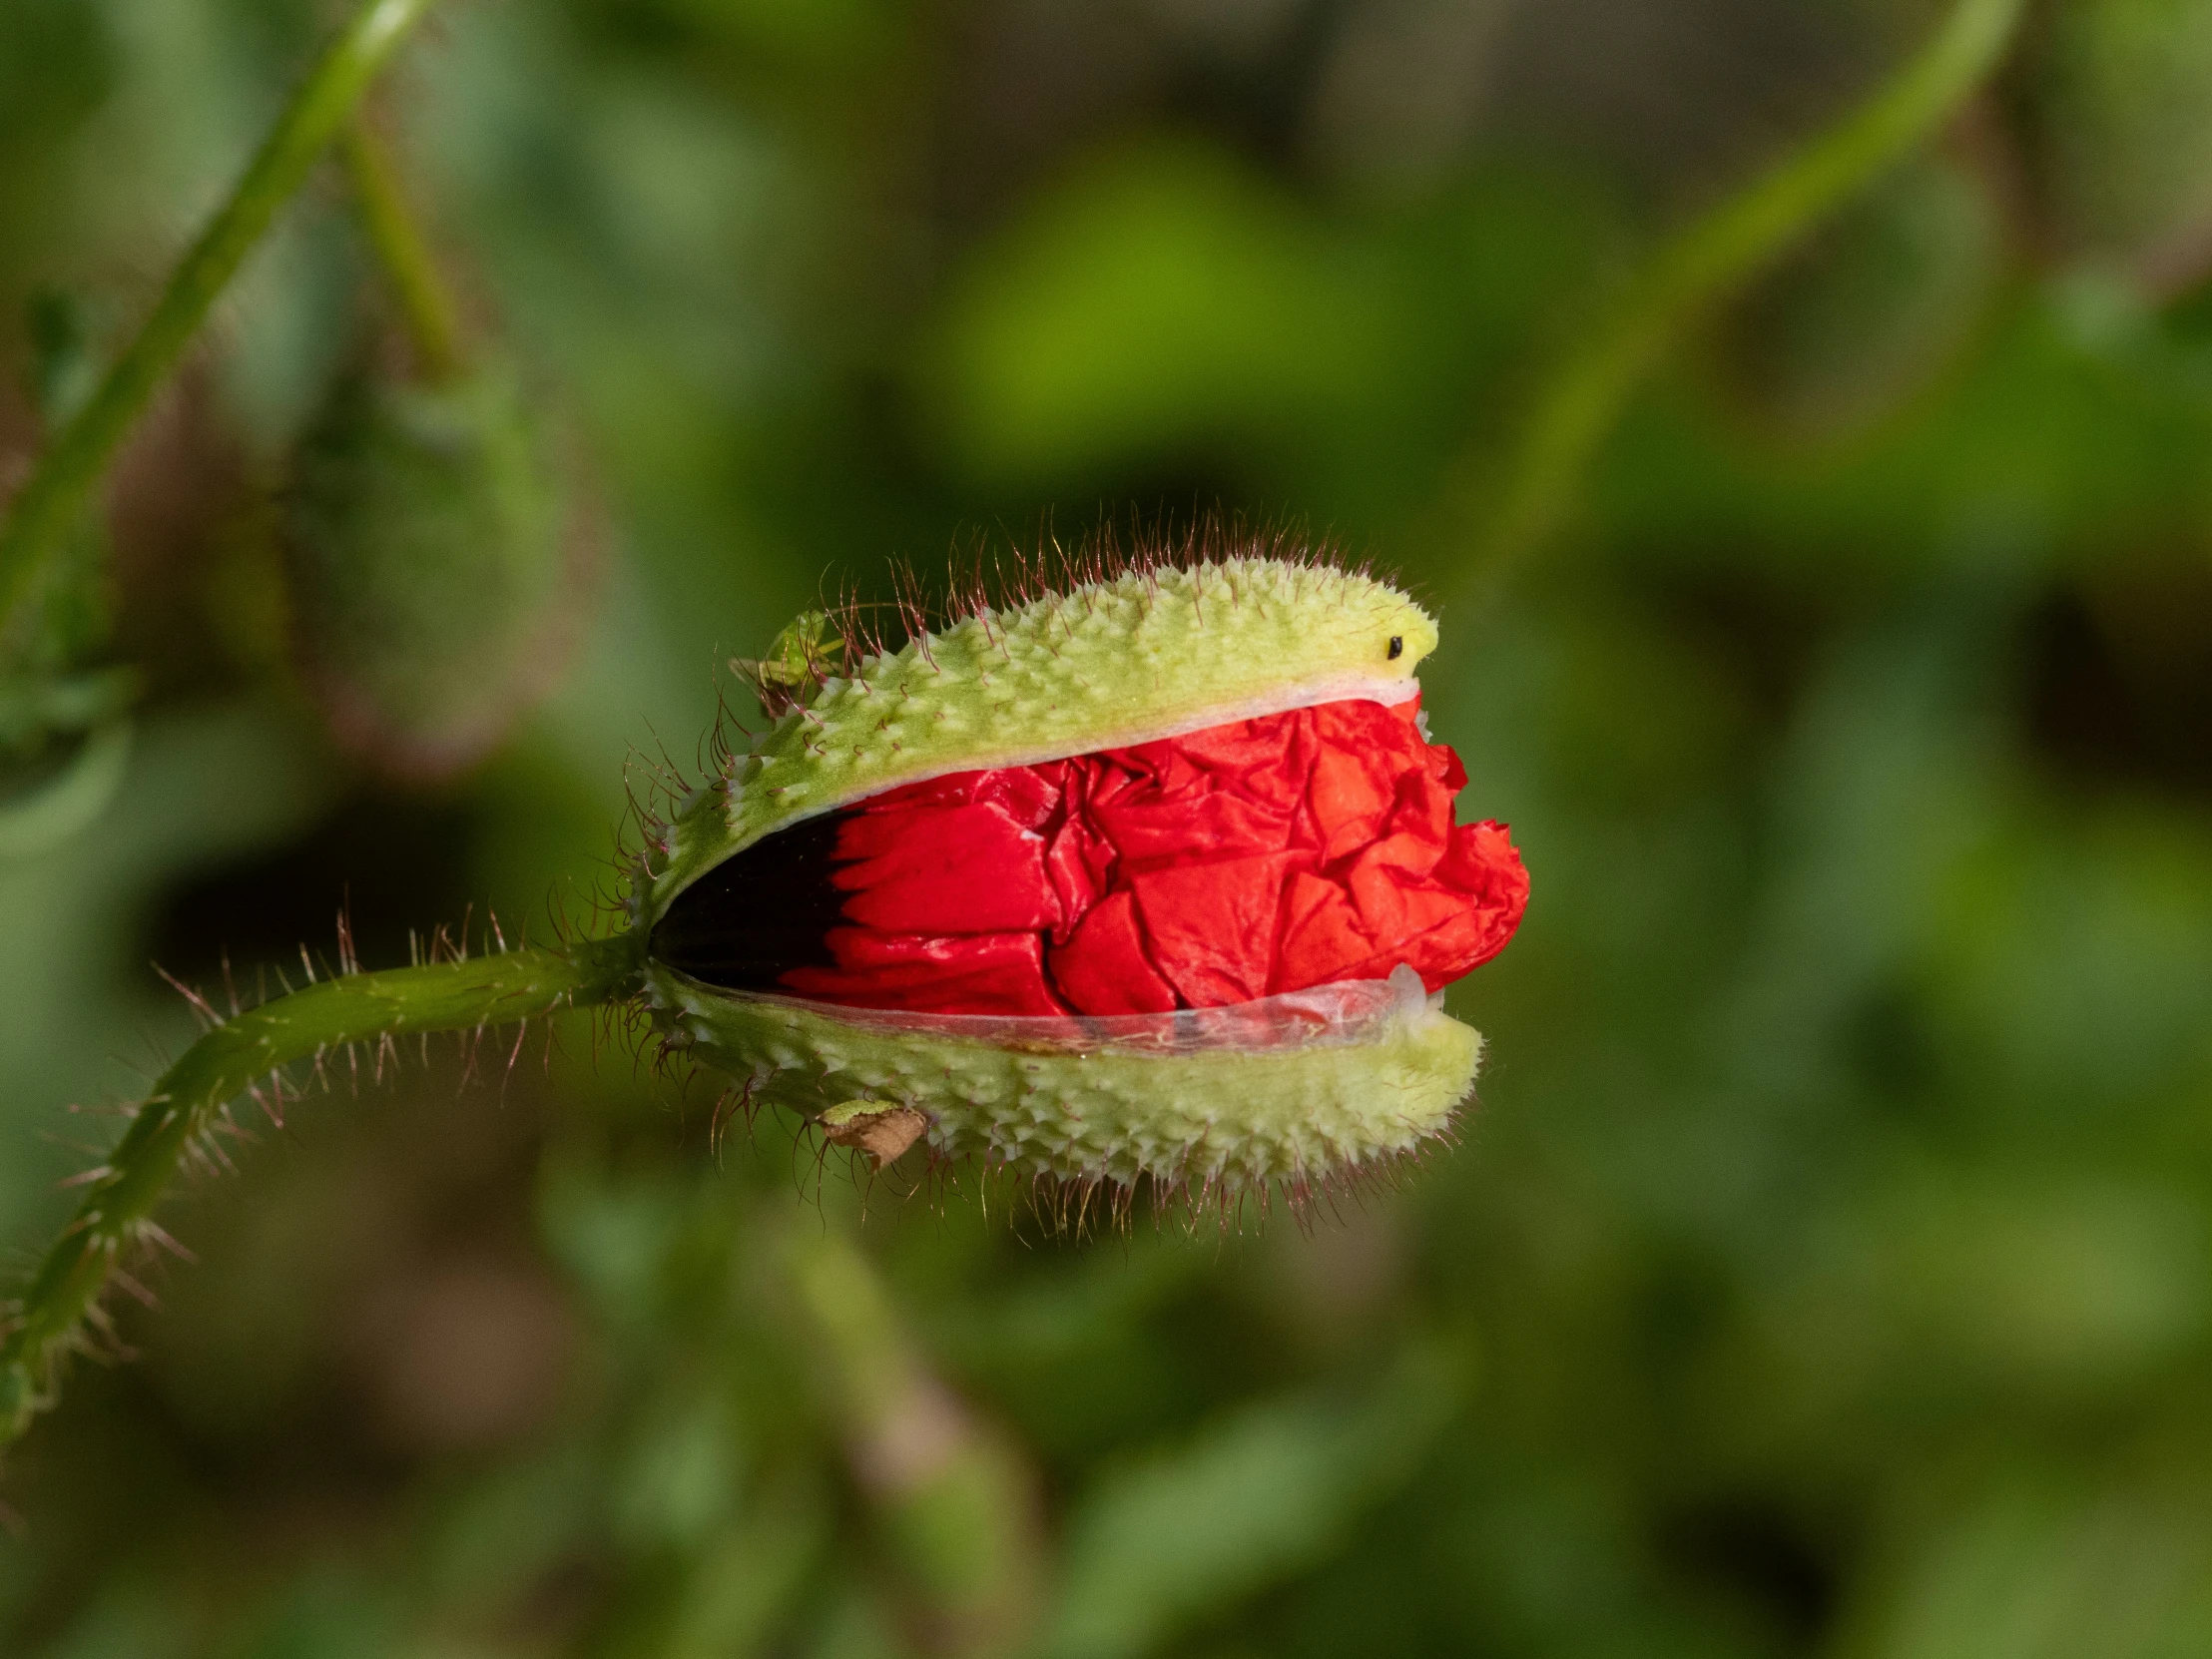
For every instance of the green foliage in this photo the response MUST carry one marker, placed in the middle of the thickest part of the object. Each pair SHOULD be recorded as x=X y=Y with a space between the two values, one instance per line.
x=1249 y=1500
x=1138 y=314
x=1871 y=312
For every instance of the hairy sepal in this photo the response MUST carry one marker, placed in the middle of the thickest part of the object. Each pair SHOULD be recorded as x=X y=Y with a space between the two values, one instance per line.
x=1147 y=655
x=1304 y=1090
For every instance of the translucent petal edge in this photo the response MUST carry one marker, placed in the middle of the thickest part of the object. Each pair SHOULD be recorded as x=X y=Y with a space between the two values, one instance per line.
x=1305 y=1089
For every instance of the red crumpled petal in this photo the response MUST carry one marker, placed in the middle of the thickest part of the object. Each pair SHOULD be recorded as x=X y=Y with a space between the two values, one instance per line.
x=1255 y=857
x=1108 y=971
x=969 y=973
x=970 y=868
x=1211 y=927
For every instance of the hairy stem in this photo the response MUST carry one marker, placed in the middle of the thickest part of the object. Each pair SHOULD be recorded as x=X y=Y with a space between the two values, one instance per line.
x=115 y=1218
x=425 y=307
x=48 y=505
x=1585 y=394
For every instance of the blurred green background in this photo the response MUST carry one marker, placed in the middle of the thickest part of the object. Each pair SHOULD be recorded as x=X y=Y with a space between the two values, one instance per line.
x=1828 y=1266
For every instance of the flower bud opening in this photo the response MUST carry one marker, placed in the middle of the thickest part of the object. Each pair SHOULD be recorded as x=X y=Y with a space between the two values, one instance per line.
x=1241 y=862
x=1154 y=877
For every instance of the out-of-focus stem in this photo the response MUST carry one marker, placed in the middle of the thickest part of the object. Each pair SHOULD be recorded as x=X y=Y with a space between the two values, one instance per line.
x=47 y=506
x=1583 y=397
x=115 y=1217
x=952 y=1498
x=425 y=306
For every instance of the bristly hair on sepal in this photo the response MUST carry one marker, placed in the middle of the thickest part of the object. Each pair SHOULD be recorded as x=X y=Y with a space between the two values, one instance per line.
x=849 y=629
x=1061 y=1206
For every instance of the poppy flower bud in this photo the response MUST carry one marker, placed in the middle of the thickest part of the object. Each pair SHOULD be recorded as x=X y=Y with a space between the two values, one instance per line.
x=432 y=548
x=1153 y=878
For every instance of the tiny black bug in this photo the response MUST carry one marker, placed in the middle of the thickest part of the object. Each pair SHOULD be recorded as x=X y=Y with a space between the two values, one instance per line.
x=1397 y=647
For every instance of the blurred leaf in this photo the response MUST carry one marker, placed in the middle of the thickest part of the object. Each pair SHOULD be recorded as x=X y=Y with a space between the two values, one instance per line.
x=2125 y=1575
x=1975 y=1287
x=199 y=787
x=65 y=365
x=57 y=62
x=1184 y=1534
x=1870 y=312
x=2039 y=437
x=77 y=790
x=1161 y=299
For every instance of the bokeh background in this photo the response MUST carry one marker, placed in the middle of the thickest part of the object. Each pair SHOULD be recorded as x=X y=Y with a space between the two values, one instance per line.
x=1828 y=1267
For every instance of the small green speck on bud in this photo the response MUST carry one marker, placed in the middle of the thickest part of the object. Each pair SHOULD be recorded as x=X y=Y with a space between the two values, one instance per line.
x=798 y=659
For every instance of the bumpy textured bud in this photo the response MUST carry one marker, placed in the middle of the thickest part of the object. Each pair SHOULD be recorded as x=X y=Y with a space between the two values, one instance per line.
x=972 y=759
x=432 y=546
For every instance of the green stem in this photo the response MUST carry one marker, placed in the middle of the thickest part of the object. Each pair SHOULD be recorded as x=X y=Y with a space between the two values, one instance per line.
x=50 y=502
x=949 y=1495
x=1587 y=391
x=427 y=310
x=115 y=1218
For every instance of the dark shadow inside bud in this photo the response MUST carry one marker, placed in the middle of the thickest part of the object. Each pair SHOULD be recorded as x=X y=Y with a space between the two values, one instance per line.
x=755 y=917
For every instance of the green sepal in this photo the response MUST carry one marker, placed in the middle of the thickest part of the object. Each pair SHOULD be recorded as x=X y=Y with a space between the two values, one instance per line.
x=1151 y=653
x=1322 y=1101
